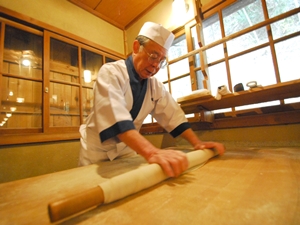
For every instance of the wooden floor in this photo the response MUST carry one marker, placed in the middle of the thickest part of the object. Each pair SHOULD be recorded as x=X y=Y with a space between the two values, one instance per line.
x=245 y=186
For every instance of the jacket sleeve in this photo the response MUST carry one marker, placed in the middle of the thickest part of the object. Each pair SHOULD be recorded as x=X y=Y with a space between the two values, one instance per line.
x=113 y=101
x=166 y=111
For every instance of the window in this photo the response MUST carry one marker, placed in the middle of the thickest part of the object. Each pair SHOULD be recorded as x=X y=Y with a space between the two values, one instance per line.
x=254 y=55
x=64 y=85
x=21 y=86
x=237 y=46
x=91 y=63
x=179 y=71
x=46 y=84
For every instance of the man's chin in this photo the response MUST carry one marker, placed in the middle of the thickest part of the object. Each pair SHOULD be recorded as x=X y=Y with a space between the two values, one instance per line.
x=146 y=76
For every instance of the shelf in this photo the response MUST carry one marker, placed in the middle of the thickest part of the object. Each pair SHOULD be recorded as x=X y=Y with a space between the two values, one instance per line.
x=280 y=91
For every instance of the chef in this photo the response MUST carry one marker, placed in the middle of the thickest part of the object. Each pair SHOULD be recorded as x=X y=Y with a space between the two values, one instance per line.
x=125 y=93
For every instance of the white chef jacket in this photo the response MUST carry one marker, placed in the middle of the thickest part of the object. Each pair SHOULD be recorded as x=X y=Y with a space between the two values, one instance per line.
x=121 y=103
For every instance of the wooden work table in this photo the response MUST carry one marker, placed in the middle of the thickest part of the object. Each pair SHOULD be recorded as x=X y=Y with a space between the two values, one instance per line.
x=245 y=186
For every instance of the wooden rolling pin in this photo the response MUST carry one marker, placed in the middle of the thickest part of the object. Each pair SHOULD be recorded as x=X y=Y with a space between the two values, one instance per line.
x=109 y=191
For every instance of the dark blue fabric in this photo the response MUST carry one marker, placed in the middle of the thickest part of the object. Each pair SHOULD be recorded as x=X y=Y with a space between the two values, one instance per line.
x=138 y=88
x=116 y=129
x=179 y=129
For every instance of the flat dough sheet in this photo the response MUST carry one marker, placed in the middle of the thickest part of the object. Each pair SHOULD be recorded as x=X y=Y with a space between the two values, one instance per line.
x=146 y=176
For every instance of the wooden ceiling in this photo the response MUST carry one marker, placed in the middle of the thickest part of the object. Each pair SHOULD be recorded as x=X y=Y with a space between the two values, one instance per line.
x=120 y=13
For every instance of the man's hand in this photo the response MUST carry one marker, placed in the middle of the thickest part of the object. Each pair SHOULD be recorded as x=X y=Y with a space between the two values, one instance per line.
x=171 y=161
x=218 y=146
x=191 y=137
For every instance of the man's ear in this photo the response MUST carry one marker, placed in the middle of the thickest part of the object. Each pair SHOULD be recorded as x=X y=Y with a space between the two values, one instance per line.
x=136 y=46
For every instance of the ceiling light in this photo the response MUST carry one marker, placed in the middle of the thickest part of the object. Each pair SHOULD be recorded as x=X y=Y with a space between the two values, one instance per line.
x=180 y=7
x=27 y=58
x=26 y=62
x=20 y=100
x=87 y=76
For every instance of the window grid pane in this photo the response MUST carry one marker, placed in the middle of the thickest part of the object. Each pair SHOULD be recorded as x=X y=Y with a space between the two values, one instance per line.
x=64 y=105
x=21 y=103
x=91 y=63
x=241 y=15
x=277 y=7
x=63 y=62
x=288 y=55
x=259 y=68
x=181 y=87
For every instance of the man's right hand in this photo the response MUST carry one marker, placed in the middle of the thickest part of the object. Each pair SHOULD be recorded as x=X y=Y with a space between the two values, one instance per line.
x=172 y=162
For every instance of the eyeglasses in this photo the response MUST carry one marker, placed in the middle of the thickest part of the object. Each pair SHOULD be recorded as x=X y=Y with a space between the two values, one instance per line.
x=154 y=58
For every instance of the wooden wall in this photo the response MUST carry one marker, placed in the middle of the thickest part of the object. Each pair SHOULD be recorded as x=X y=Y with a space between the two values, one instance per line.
x=66 y=16
x=23 y=161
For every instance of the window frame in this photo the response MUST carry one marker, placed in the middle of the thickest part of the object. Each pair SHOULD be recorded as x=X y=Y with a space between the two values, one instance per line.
x=46 y=133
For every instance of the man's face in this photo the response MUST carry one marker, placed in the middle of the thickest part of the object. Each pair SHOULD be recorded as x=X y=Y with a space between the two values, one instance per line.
x=146 y=59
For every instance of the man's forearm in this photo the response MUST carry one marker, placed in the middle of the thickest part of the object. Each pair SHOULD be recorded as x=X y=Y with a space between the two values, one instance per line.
x=138 y=143
x=191 y=137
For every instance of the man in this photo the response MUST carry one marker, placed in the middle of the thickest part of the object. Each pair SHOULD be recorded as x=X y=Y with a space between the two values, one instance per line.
x=125 y=92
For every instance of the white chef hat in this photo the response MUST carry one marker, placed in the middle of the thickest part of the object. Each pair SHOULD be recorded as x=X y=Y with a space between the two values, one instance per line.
x=157 y=33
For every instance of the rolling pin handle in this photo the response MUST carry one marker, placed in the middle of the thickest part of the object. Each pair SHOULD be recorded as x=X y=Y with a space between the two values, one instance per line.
x=69 y=206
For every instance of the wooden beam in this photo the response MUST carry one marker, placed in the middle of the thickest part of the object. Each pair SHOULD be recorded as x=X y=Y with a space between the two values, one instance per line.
x=37 y=138
x=281 y=118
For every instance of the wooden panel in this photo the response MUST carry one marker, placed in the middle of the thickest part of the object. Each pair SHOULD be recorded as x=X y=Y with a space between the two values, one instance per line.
x=34 y=135
x=121 y=10
x=91 y=3
x=209 y=4
x=119 y=13
x=245 y=186
x=269 y=119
